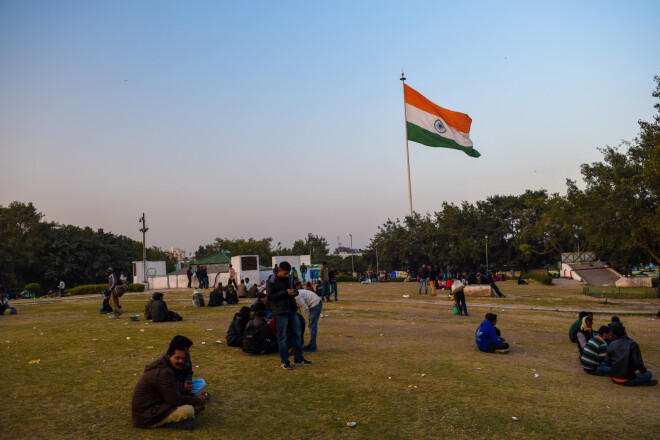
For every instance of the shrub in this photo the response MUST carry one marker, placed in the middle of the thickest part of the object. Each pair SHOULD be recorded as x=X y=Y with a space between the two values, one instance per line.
x=91 y=289
x=341 y=278
x=540 y=277
x=136 y=287
x=88 y=289
x=33 y=288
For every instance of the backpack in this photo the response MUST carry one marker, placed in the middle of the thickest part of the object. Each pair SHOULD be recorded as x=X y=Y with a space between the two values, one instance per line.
x=198 y=299
x=251 y=341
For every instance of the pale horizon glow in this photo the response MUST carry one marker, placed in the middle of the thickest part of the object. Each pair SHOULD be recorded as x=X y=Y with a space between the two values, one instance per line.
x=231 y=119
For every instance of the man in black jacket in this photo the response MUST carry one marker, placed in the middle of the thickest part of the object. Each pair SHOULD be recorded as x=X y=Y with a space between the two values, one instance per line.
x=626 y=358
x=281 y=298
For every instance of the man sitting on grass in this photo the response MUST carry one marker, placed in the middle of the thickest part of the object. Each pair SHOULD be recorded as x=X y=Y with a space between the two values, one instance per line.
x=487 y=339
x=594 y=355
x=626 y=359
x=157 y=399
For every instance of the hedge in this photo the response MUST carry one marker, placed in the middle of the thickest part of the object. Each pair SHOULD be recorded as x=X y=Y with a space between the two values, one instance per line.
x=343 y=278
x=88 y=289
x=540 y=277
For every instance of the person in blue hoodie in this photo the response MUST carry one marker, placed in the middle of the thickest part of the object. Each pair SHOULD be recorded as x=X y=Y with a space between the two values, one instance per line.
x=487 y=336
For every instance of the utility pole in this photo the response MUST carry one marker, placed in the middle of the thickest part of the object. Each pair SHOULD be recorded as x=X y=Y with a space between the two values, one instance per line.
x=352 y=265
x=376 y=246
x=486 y=254
x=144 y=230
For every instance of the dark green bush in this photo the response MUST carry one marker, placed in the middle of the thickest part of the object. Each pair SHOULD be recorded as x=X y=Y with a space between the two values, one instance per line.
x=136 y=287
x=33 y=288
x=343 y=278
x=540 y=277
x=90 y=289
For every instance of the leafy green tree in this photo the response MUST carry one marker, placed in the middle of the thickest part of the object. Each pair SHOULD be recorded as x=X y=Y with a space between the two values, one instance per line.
x=241 y=246
x=313 y=245
x=619 y=207
x=22 y=238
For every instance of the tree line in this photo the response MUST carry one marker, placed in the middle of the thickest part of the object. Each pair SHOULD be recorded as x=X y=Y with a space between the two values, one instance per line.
x=614 y=213
x=33 y=250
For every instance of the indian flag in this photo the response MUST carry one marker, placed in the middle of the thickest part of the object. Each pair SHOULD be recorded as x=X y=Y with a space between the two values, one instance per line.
x=432 y=125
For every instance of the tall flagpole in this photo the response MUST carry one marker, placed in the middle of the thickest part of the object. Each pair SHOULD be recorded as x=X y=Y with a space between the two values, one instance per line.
x=403 y=80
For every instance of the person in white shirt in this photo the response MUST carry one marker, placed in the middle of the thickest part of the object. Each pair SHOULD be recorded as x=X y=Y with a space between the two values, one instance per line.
x=311 y=304
x=61 y=287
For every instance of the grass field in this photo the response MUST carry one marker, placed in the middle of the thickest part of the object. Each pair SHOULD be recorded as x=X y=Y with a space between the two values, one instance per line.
x=373 y=353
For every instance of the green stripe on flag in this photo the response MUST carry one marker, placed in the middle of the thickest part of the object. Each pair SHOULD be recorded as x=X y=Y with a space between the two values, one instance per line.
x=425 y=137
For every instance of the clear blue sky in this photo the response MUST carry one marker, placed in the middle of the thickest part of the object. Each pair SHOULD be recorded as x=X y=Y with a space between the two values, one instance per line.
x=257 y=119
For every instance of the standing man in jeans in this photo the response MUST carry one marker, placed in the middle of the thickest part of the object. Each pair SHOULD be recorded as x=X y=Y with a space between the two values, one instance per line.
x=325 y=280
x=303 y=272
x=423 y=275
x=332 y=276
x=311 y=304
x=281 y=296
x=232 y=276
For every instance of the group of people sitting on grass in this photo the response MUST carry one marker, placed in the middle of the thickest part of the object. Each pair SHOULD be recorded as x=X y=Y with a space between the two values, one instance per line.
x=609 y=351
x=229 y=295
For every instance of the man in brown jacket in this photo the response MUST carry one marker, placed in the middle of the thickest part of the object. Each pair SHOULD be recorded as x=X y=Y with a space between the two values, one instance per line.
x=157 y=400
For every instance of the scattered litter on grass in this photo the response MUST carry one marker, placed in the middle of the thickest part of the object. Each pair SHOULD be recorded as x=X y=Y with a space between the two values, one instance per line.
x=478 y=368
x=94 y=339
x=651 y=319
x=41 y=334
x=532 y=369
x=351 y=424
x=381 y=334
x=203 y=343
x=536 y=375
x=406 y=296
x=142 y=330
x=133 y=318
x=35 y=361
x=515 y=418
x=132 y=355
x=196 y=366
x=218 y=342
x=423 y=375
x=209 y=329
x=389 y=378
x=128 y=338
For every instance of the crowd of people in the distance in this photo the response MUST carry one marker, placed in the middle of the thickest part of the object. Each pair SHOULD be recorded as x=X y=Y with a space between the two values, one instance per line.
x=609 y=351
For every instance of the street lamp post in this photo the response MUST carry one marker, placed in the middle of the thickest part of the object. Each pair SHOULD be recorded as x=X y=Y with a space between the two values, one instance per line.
x=352 y=265
x=486 y=253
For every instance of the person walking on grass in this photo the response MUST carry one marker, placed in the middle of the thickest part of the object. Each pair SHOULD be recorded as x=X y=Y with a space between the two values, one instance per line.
x=281 y=298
